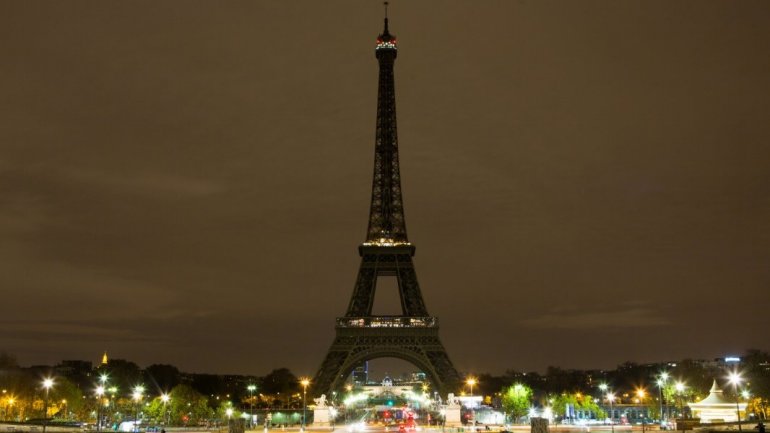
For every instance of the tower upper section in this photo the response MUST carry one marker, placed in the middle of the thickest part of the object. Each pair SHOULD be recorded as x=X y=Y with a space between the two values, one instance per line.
x=387 y=226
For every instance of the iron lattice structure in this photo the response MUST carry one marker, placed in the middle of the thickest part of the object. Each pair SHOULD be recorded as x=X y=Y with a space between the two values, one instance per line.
x=413 y=335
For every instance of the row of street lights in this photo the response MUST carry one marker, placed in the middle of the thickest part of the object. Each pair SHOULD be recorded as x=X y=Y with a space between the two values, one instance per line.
x=734 y=378
x=100 y=391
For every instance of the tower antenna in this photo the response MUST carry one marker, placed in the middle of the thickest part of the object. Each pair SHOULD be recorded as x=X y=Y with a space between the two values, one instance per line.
x=386 y=17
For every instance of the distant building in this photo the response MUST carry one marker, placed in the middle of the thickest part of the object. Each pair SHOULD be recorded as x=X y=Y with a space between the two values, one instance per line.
x=360 y=374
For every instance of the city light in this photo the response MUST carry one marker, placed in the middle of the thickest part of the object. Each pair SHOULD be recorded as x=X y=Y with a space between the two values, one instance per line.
x=304 y=382
x=735 y=379
x=47 y=385
x=138 y=391
x=99 y=393
x=471 y=381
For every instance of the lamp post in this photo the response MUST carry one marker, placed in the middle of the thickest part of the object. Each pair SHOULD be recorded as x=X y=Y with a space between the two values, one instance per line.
x=472 y=381
x=305 y=382
x=661 y=384
x=99 y=393
x=251 y=389
x=9 y=408
x=603 y=388
x=137 y=395
x=679 y=386
x=641 y=393
x=165 y=398
x=736 y=379
x=113 y=390
x=611 y=398
x=47 y=385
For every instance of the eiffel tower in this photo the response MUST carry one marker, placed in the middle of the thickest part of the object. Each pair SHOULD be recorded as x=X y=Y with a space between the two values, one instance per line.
x=413 y=335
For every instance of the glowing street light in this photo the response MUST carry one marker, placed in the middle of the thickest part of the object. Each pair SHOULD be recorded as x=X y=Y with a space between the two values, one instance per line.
x=611 y=398
x=137 y=396
x=251 y=389
x=603 y=388
x=641 y=393
x=9 y=407
x=304 y=382
x=99 y=393
x=165 y=398
x=679 y=387
x=661 y=384
x=735 y=378
x=47 y=385
x=471 y=381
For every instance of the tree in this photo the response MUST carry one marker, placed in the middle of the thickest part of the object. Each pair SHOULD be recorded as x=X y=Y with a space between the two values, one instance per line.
x=516 y=400
x=125 y=375
x=280 y=380
x=579 y=402
x=65 y=398
x=188 y=406
x=163 y=376
x=559 y=404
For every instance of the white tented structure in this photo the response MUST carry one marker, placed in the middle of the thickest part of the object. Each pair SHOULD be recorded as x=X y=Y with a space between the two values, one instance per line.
x=716 y=408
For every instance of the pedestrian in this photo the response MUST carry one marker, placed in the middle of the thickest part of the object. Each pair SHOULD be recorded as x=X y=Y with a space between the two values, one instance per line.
x=761 y=427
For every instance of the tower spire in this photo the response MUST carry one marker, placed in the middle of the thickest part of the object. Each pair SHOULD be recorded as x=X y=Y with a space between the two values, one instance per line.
x=387 y=226
x=386 y=17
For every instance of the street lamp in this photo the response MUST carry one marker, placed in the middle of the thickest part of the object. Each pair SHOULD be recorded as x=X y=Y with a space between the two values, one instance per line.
x=47 y=385
x=305 y=382
x=611 y=398
x=735 y=378
x=661 y=384
x=251 y=389
x=472 y=381
x=9 y=408
x=679 y=386
x=99 y=393
x=165 y=398
x=137 y=395
x=641 y=393
x=603 y=388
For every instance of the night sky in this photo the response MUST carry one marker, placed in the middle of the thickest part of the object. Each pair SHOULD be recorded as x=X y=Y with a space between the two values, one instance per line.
x=187 y=182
